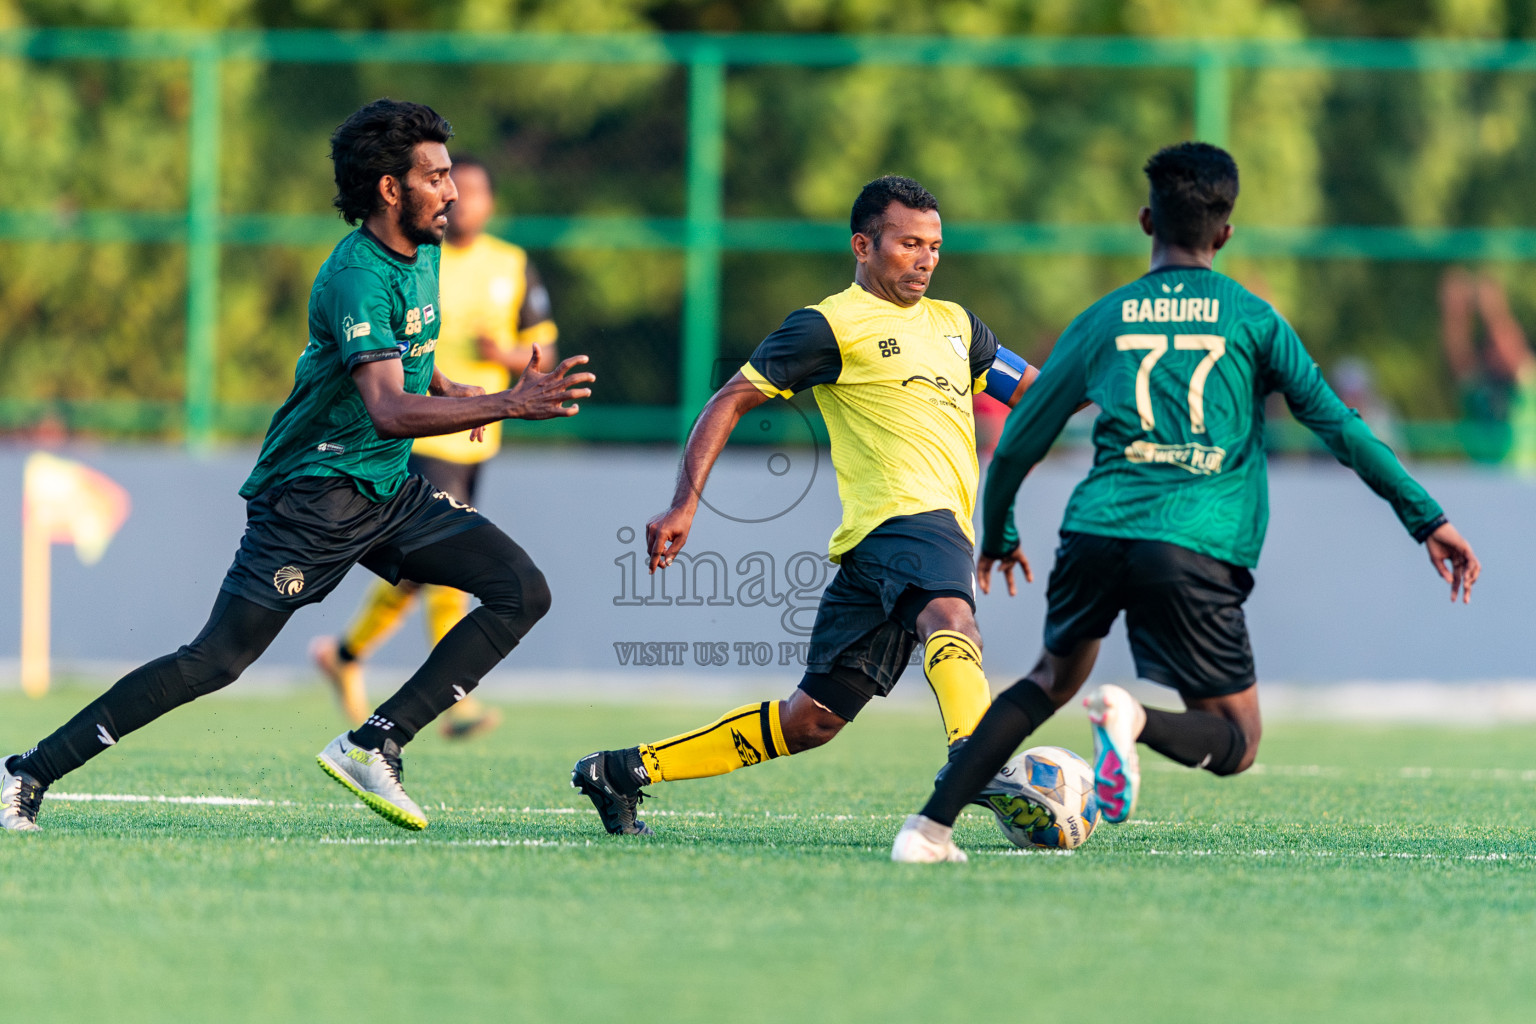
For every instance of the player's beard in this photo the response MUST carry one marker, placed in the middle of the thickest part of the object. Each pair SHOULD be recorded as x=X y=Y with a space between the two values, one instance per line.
x=412 y=227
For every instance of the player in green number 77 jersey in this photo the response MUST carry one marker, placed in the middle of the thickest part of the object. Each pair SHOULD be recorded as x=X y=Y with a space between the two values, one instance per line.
x=1171 y=517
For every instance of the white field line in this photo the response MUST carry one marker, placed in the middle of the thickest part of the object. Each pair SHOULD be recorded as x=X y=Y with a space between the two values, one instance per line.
x=234 y=801
x=1302 y=854
x=1341 y=855
x=204 y=801
x=1418 y=772
x=225 y=801
x=1526 y=775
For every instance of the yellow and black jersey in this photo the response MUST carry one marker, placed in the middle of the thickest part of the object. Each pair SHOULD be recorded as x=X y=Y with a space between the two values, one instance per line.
x=487 y=288
x=894 y=384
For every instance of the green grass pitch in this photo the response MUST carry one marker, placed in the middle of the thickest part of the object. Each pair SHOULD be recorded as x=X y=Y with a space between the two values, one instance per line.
x=1363 y=874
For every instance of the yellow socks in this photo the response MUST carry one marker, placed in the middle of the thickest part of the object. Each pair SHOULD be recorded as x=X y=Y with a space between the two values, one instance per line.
x=381 y=614
x=443 y=607
x=742 y=737
x=952 y=663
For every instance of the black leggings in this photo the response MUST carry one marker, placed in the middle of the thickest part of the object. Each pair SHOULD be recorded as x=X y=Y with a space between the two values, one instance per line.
x=484 y=561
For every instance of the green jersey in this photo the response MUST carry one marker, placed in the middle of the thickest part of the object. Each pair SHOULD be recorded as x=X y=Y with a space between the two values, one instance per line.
x=368 y=303
x=1178 y=363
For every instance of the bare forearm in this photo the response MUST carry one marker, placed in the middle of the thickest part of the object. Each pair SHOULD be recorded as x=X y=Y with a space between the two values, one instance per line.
x=408 y=415
x=704 y=446
x=709 y=436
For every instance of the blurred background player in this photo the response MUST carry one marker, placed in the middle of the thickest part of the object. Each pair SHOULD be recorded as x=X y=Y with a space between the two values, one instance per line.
x=1497 y=378
x=1171 y=518
x=495 y=308
x=894 y=373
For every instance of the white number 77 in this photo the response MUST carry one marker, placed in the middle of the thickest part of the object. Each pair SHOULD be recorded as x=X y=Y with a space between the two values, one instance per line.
x=1156 y=346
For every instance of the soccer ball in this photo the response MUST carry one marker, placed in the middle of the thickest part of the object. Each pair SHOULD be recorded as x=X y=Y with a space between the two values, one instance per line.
x=1058 y=809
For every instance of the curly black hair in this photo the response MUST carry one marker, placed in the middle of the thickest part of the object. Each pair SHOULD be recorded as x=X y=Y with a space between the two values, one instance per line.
x=1194 y=188
x=379 y=139
x=869 y=209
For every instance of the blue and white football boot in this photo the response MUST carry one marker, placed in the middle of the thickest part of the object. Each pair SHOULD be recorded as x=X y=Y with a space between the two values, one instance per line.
x=1117 y=719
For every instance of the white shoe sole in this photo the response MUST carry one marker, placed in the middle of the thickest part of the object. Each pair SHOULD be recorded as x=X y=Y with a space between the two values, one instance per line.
x=391 y=813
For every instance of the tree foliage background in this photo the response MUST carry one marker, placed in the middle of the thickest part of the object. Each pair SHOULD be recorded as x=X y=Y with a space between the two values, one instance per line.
x=106 y=320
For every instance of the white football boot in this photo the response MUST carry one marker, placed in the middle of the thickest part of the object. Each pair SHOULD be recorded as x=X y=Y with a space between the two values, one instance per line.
x=922 y=841
x=20 y=798
x=1117 y=720
x=374 y=776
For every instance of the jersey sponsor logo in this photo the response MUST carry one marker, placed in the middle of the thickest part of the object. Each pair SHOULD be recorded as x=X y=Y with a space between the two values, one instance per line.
x=1200 y=459
x=352 y=329
x=428 y=314
x=288 y=580
x=421 y=348
x=958 y=344
x=1164 y=311
x=745 y=750
x=330 y=448
x=412 y=321
x=889 y=347
x=943 y=384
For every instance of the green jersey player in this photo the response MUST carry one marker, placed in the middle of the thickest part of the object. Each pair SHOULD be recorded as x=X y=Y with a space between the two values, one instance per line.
x=330 y=489
x=1171 y=517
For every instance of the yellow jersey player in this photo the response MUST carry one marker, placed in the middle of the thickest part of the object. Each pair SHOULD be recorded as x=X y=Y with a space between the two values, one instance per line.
x=495 y=309
x=894 y=373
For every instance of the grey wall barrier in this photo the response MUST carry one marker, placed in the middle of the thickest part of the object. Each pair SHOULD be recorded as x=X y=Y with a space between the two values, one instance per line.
x=1342 y=594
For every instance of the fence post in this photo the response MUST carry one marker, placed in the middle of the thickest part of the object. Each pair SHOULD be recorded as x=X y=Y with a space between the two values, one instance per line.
x=706 y=186
x=1213 y=99
x=203 y=243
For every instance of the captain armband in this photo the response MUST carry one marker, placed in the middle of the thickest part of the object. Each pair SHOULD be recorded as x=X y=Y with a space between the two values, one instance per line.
x=1004 y=374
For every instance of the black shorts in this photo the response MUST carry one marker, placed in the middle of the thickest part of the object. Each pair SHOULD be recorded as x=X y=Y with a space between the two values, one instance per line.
x=303 y=535
x=1183 y=610
x=459 y=479
x=866 y=623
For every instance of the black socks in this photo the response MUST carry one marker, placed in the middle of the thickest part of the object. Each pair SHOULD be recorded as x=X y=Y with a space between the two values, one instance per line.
x=1198 y=739
x=1017 y=712
x=453 y=669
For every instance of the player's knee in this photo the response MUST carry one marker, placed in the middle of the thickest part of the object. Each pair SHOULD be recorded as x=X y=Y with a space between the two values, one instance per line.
x=519 y=597
x=204 y=671
x=1250 y=753
x=953 y=616
x=536 y=595
x=1244 y=750
x=809 y=731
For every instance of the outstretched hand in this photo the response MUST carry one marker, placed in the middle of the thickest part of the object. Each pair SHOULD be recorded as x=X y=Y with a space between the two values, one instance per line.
x=1006 y=563
x=542 y=396
x=1453 y=559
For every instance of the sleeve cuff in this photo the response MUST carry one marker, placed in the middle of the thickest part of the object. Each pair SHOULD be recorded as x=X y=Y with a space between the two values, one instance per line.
x=995 y=547
x=358 y=358
x=763 y=384
x=1423 y=532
